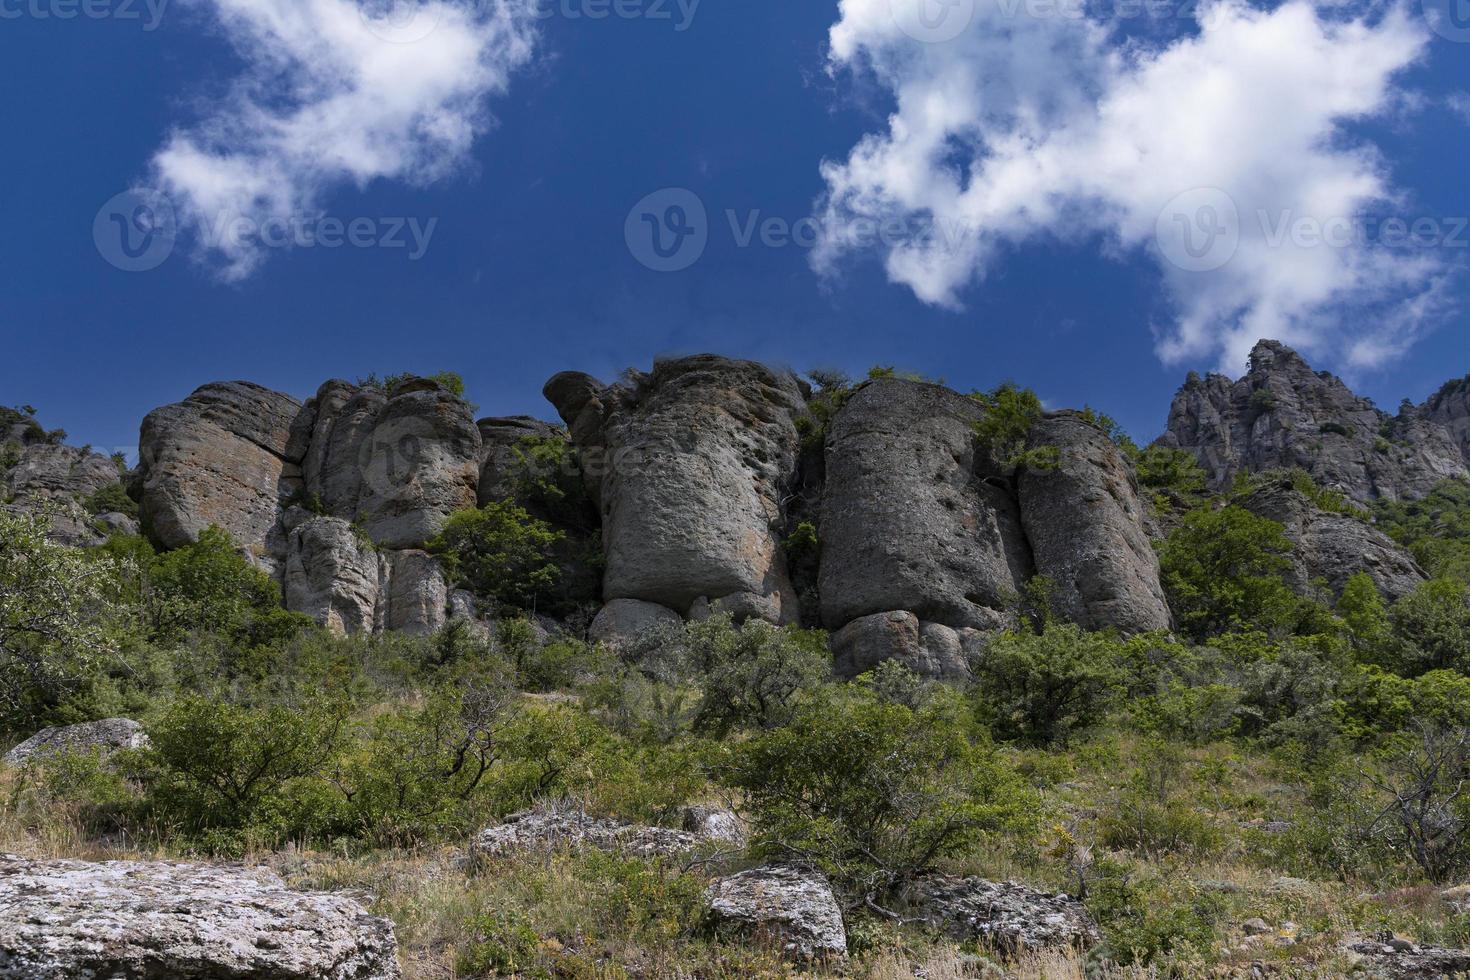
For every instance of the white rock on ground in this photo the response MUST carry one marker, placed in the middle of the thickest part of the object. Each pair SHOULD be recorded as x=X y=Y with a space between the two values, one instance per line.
x=108 y=736
x=792 y=907
x=550 y=828
x=1002 y=914
x=64 y=920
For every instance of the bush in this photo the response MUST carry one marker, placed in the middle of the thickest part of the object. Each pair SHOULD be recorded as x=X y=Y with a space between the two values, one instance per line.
x=500 y=551
x=747 y=677
x=58 y=610
x=221 y=767
x=1434 y=623
x=1222 y=570
x=112 y=499
x=873 y=792
x=1044 y=689
x=1010 y=412
x=1145 y=919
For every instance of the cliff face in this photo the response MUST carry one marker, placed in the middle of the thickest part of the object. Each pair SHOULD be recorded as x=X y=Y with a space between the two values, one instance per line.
x=697 y=472
x=1283 y=414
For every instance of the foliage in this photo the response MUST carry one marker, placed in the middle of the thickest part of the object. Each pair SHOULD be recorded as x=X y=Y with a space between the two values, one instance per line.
x=1222 y=570
x=872 y=792
x=450 y=380
x=1046 y=688
x=1010 y=412
x=1435 y=530
x=549 y=482
x=833 y=390
x=1170 y=470
x=1433 y=622
x=112 y=498
x=56 y=615
x=500 y=551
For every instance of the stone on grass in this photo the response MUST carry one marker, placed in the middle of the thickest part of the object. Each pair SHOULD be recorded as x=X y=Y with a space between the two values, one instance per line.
x=790 y=907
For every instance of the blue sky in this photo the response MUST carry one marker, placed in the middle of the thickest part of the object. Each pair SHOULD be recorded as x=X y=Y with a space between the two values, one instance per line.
x=1063 y=283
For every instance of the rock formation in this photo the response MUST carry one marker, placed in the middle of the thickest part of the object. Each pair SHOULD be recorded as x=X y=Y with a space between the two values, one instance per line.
x=1283 y=415
x=689 y=463
x=551 y=828
x=1085 y=523
x=1005 y=915
x=791 y=907
x=93 y=736
x=1450 y=407
x=38 y=474
x=344 y=582
x=223 y=456
x=1331 y=548
x=66 y=919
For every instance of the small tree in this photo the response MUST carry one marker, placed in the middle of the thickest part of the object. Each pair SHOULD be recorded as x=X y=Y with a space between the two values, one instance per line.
x=1042 y=689
x=873 y=793
x=55 y=605
x=1223 y=572
x=500 y=551
x=1434 y=622
x=1424 y=813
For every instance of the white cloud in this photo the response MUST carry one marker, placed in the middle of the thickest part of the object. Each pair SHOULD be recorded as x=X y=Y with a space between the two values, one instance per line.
x=1029 y=127
x=1459 y=103
x=336 y=92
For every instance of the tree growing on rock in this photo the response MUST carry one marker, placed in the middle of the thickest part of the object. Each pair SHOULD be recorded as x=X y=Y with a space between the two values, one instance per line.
x=500 y=551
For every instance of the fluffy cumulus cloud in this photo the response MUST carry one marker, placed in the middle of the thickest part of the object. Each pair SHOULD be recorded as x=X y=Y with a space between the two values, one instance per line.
x=336 y=92
x=1220 y=151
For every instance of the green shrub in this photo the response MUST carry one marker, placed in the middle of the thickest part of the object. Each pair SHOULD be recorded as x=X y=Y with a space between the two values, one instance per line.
x=1434 y=623
x=1223 y=571
x=1044 y=689
x=112 y=498
x=221 y=767
x=500 y=551
x=501 y=944
x=1010 y=412
x=1145 y=919
x=1436 y=530
x=873 y=792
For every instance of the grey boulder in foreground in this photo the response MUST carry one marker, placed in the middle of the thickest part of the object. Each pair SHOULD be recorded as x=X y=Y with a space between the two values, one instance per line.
x=105 y=736
x=109 y=921
x=790 y=907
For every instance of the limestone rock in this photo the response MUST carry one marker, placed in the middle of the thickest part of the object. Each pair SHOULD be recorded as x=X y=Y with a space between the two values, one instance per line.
x=218 y=457
x=332 y=577
x=1450 y=408
x=105 y=736
x=1386 y=957
x=1284 y=415
x=67 y=919
x=929 y=649
x=914 y=515
x=1085 y=523
x=623 y=622
x=349 y=586
x=716 y=823
x=1005 y=914
x=397 y=463
x=792 y=907
x=55 y=479
x=552 y=828
x=1334 y=547
x=499 y=438
x=690 y=462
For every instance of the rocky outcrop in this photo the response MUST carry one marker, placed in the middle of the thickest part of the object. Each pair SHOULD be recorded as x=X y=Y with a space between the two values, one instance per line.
x=928 y=649
x=223 y=456
x=66 y=919
x=623 y=622
x=1004 y=915
x=689 y=464
x=1284 y=415
x=397 y=463
x=552 y=828
x=339 y=578
x=1387 y=957
x=1085 y=523
x=915 y=516
x=38 y=474
x=500 y=463
x=1331 y=547
x=93 y=736
x=792 y=908
x=1450 y=408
